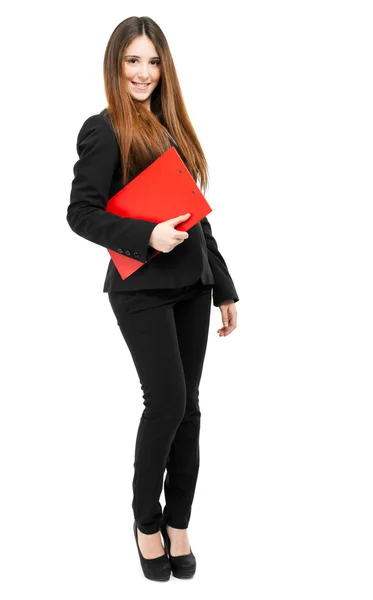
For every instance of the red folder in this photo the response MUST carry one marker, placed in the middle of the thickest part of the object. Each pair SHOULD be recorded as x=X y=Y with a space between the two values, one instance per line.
x=165 y=189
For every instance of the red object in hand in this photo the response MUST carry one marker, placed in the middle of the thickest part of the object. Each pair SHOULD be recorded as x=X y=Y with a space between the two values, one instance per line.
x=162 y=191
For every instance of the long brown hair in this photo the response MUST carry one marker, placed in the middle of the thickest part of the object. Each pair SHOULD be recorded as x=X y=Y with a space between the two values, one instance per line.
x=139 y=132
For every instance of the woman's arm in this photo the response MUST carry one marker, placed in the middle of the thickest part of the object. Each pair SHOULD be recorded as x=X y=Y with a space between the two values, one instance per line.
x=98 y=158
x=224 y=288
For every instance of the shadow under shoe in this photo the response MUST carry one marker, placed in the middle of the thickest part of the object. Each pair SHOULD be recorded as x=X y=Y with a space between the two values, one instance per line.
x=157 y=569
x=183 y=566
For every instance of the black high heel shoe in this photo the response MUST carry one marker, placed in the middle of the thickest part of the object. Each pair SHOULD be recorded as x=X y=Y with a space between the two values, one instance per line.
x=183 y=566
x=157 y=569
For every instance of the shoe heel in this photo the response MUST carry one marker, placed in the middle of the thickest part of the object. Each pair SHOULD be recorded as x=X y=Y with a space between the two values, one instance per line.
x=157 y=569
x=184 y=566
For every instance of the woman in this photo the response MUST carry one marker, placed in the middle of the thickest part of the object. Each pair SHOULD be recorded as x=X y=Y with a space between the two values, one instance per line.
x=163 y=308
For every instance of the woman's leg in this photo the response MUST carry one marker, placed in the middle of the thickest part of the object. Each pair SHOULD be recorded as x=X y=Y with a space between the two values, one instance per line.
x=192 y=318
x=152 y=339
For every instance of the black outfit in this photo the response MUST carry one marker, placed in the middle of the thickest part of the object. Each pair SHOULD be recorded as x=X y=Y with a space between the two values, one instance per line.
x=98 y=176
x=166 y=332
x=163 y=312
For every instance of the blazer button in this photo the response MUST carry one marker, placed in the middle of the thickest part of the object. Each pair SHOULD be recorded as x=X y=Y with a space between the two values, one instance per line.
x=136 y=254
x=127 y=252
x=120 y=250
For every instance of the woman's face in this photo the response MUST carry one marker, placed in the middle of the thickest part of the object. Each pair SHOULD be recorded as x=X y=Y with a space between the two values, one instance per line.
x=141 y=64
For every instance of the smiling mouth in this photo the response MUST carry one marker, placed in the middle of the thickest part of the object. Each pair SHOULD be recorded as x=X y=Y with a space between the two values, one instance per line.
x=140 y=86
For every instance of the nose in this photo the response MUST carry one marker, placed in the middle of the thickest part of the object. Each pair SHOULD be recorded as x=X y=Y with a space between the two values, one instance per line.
x=143 y=72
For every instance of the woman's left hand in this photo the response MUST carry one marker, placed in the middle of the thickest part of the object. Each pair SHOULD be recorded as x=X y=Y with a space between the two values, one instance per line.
x=229 y=317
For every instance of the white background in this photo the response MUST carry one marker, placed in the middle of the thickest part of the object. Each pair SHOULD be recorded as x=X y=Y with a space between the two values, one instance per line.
x=280 y=95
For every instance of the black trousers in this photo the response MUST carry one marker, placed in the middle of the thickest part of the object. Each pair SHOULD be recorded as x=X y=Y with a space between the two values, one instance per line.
x=166 y=332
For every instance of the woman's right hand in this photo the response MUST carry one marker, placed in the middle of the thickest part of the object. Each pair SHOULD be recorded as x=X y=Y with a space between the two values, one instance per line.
x=164 y=237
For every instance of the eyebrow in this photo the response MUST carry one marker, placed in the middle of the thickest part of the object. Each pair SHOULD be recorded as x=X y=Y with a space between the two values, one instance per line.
x=135 y=56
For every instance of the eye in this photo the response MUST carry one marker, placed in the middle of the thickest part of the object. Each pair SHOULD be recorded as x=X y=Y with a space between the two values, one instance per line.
x=154 y=62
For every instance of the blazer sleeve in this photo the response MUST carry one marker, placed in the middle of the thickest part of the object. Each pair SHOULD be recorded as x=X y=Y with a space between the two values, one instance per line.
x=99 y=156
x=224 y=288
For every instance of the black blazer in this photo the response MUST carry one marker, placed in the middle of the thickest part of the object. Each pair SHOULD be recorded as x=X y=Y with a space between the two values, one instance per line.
x=97 y=177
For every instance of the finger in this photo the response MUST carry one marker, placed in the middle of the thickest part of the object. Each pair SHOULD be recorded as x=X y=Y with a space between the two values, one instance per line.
x=227 y=324
x=181 y=235
x=225 y=317
x=225 y=332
